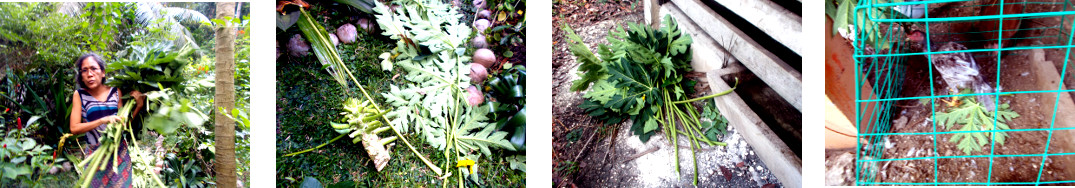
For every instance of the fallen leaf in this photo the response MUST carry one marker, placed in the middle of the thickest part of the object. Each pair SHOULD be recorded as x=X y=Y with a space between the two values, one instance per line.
x=727 y=173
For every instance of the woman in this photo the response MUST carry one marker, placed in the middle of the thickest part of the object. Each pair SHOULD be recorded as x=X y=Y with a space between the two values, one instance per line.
x=95 y=106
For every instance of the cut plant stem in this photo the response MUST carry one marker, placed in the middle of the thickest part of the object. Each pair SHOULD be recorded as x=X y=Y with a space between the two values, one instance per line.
x=315 y=148
x=711 y=96
x=672 y=123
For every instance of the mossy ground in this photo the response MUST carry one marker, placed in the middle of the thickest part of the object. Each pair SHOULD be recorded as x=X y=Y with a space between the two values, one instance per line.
x=308 y=98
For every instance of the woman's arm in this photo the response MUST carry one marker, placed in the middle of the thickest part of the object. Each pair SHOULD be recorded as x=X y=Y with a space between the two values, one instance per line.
x=139 y=101
x=76 y=125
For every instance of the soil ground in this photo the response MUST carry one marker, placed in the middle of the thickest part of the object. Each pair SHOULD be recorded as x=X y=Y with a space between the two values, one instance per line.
x=588 y=153
x=1016 y=74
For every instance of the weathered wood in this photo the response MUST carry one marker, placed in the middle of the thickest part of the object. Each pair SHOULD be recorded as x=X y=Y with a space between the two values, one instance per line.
x=730 y=69
x=774 y=20
x=706 y=54
x=1048 y=76
x=776 y=155
x=839 y=131
x=840 y=80
x=781 y=77
x=649 y=12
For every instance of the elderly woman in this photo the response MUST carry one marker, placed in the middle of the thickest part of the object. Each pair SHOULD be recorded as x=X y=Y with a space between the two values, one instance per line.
x=93 y=108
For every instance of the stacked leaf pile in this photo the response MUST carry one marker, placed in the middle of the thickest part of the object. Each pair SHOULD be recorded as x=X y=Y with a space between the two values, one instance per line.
x=639 y=77
x=150 y=68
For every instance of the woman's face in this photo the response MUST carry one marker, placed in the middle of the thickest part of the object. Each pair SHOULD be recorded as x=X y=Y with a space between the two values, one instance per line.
x=91 y=73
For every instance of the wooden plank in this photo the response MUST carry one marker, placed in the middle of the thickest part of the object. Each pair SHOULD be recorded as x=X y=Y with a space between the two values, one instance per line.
x=781 y=77
x=840 y=79
x=783 y=25
x=1048 y=76
x=706 y=54
x=839 y=131
x=776 y=155
x=650 y=12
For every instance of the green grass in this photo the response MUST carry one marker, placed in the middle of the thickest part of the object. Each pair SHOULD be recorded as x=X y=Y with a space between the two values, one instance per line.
x=308 y=98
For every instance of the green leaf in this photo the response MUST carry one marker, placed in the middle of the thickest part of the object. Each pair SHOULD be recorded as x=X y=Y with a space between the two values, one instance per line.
x=310 y=182
x=322 y=46
x=972 y=116
x=841 y=16
x=602 y=91
x=362 y=5
x=650 y=126
x=591 y=69
x=28 y=144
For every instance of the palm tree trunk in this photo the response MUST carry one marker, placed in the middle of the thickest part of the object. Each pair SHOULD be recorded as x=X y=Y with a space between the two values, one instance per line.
x=225 y=98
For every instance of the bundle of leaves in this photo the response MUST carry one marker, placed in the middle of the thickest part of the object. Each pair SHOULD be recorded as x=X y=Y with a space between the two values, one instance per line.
x=639 y=77
x=107 y=153
x=634 y=74
x=150 y=68
x=430 y=56
x=973 y=117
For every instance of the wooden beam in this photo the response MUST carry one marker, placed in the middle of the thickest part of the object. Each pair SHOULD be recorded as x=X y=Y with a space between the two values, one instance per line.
x=776 y=155
x=706 y=54
x=649 y=12
x=781 y=77
x=771 y=18
x=840 y=80
x=1048 y=78
x=840 y=133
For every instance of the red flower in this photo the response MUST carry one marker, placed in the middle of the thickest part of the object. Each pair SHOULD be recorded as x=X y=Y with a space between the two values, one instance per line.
x=6 y=110
x=5 y=145
x=20 y=122
x=53 y=155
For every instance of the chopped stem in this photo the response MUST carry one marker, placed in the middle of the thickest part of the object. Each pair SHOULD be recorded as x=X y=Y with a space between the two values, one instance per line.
x=315 y=148
x=672 y=124
x=711 y=96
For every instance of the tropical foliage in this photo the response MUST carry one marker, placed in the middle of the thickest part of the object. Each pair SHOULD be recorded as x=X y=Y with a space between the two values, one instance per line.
x=155 y=48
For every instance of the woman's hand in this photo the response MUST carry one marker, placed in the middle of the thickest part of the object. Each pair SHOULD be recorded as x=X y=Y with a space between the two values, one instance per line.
x=109 y=119
x=139 y=101
x=138 y=96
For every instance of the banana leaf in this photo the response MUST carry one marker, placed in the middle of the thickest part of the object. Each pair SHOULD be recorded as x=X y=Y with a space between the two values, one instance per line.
x=362 y=5
x=322 y=46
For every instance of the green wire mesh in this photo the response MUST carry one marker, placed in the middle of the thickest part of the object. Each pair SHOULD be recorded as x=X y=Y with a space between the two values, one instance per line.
x=881 y=58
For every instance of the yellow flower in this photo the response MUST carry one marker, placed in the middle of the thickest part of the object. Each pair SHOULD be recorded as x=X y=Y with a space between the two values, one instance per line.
x=466 y=163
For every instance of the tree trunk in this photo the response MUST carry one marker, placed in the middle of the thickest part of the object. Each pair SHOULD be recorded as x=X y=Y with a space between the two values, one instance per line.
x=225 y=98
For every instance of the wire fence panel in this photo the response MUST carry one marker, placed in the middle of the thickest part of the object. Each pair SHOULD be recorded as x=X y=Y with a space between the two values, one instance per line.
x=894 y=36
